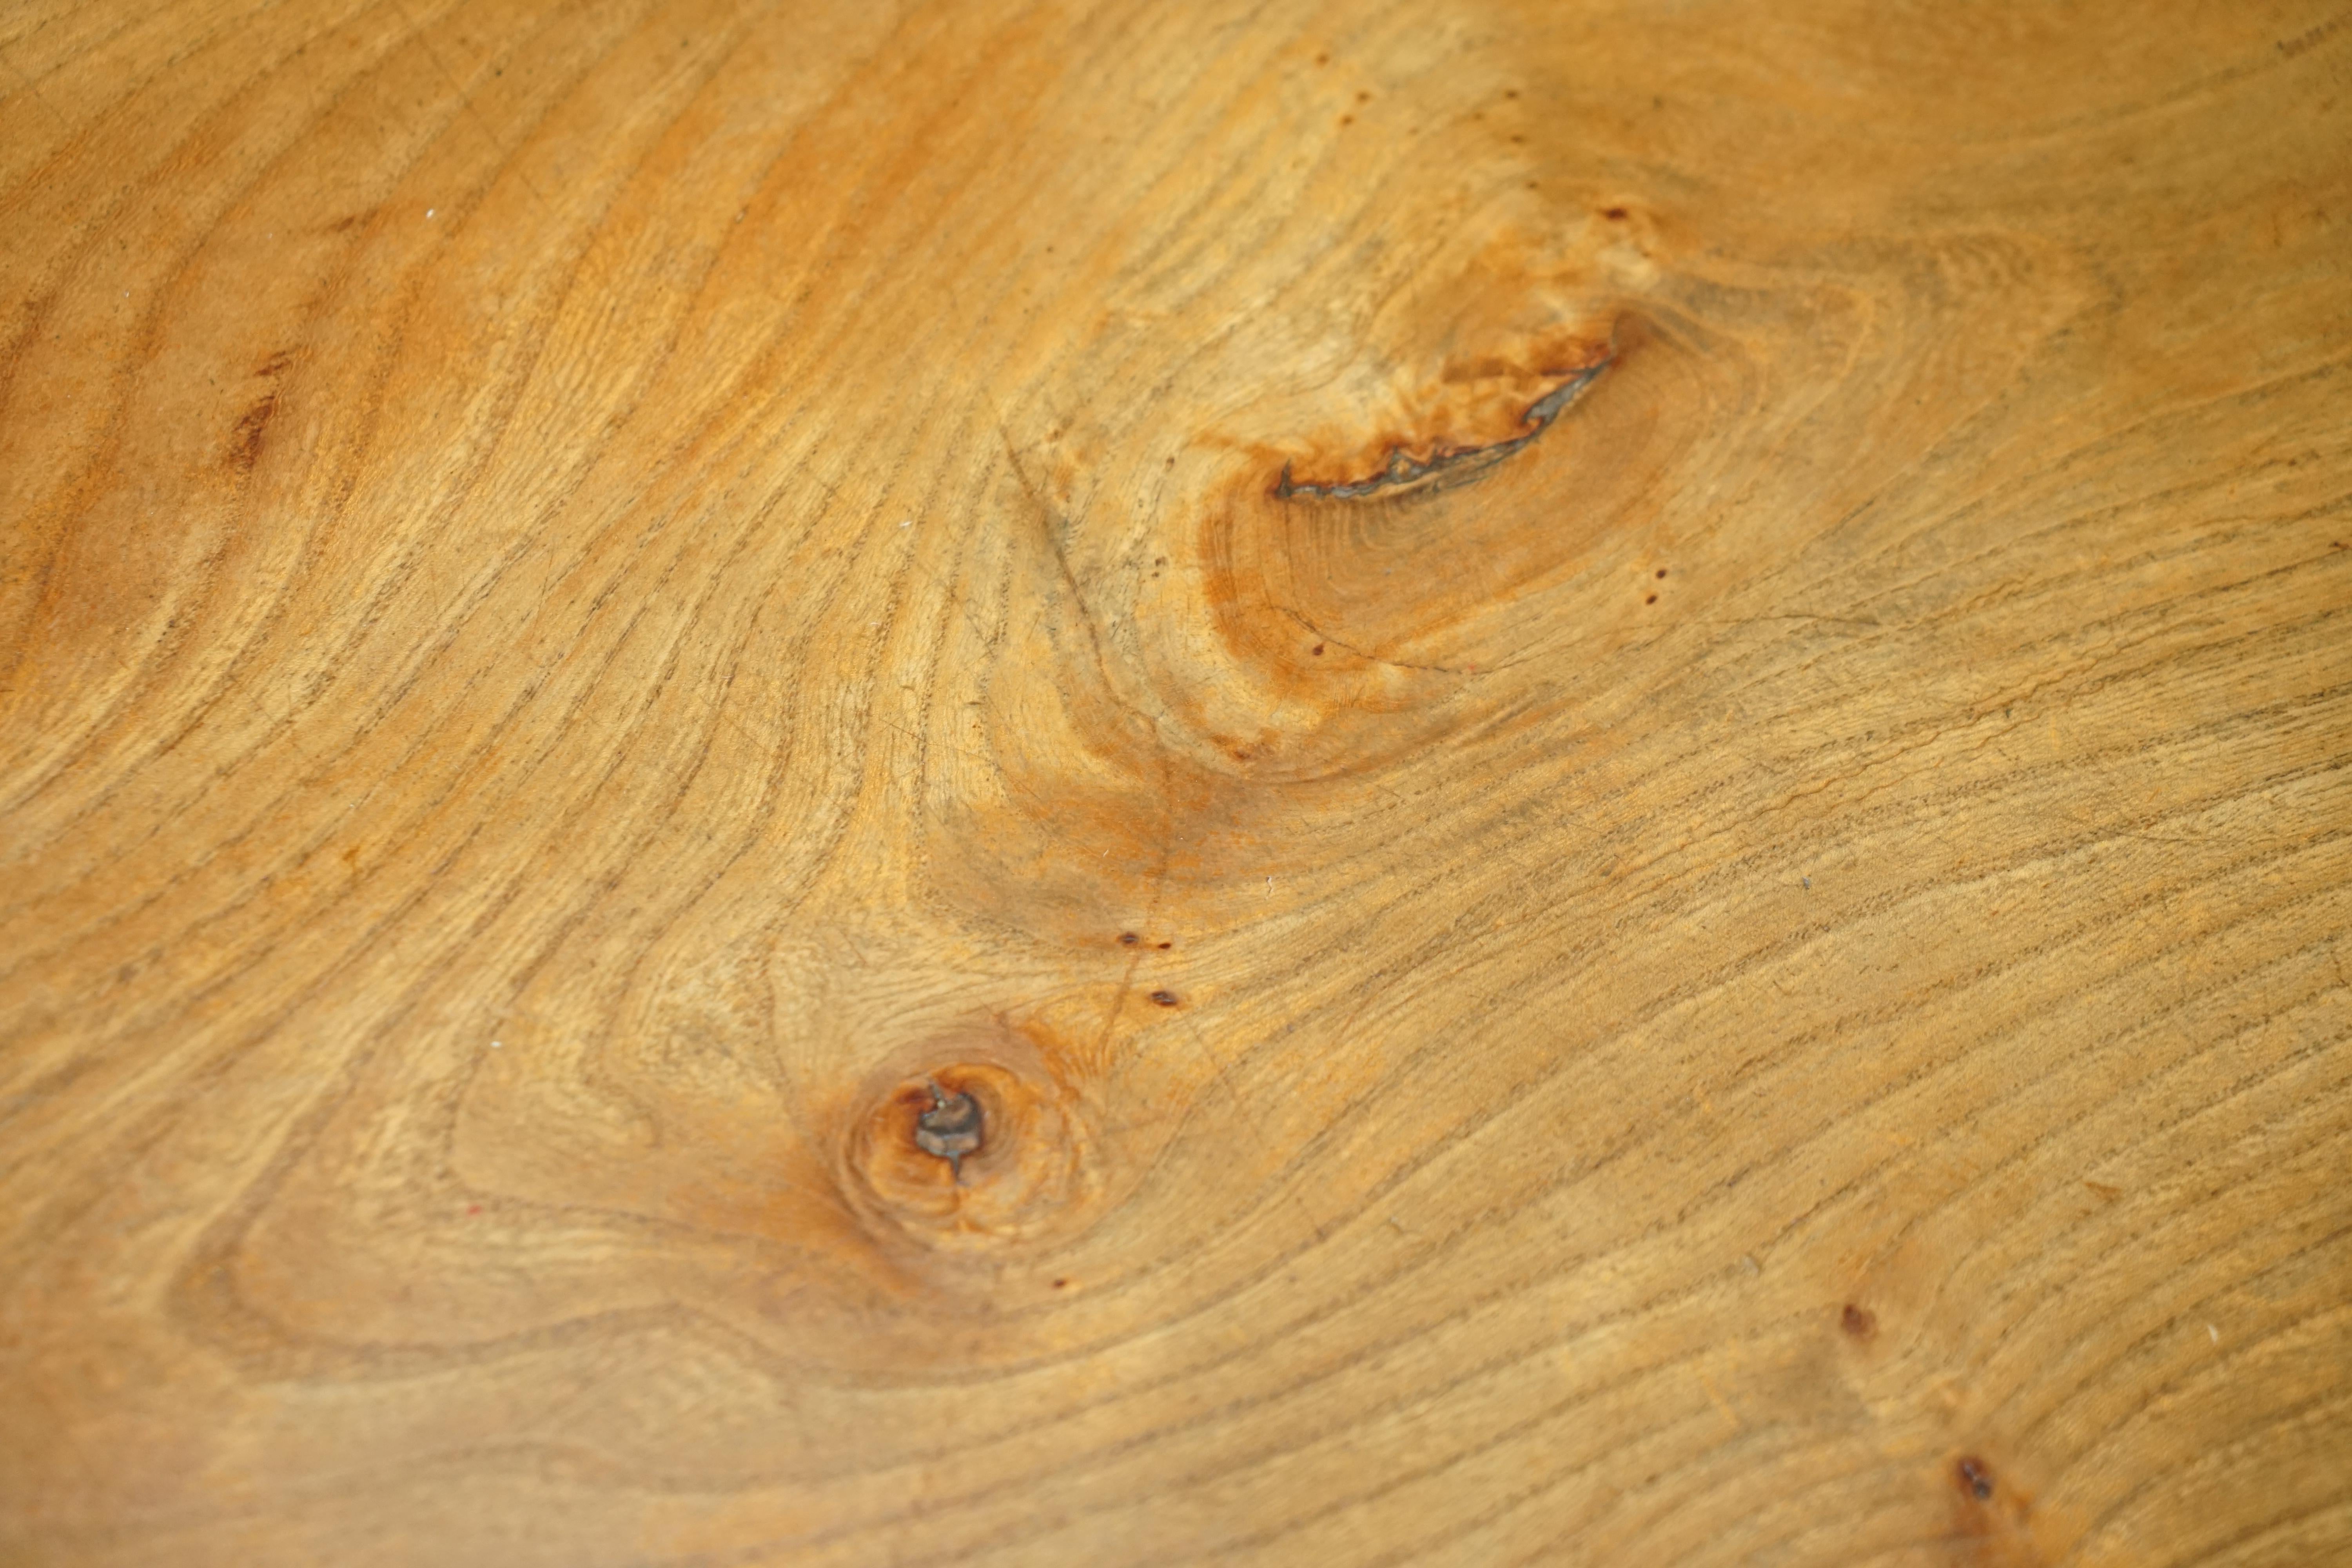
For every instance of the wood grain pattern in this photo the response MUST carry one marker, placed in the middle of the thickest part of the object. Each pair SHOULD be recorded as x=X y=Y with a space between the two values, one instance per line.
x=1610 y=740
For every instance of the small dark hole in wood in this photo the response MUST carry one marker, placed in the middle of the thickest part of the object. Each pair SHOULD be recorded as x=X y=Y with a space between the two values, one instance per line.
x=950 y=1128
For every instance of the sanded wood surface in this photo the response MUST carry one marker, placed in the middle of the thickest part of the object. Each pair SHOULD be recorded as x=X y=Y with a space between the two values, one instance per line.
x=1266 y=782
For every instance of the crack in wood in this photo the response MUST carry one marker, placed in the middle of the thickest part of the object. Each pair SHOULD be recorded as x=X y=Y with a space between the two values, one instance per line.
x=1449 y=465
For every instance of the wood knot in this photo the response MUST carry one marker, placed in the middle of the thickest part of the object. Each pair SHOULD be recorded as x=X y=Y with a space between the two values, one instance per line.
x=950 y=1128
x=971 y=1154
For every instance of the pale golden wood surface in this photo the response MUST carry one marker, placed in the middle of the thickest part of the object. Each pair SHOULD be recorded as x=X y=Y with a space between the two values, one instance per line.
x=601 y=595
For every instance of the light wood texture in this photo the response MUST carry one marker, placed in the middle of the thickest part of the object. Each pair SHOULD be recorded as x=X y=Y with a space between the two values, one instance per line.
x=607 y=603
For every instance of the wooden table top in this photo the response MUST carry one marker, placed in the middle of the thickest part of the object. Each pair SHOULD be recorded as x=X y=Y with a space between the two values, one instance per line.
x=1252 y=783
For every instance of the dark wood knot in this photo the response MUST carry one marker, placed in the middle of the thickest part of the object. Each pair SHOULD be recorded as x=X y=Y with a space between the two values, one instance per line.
x=950 y=1128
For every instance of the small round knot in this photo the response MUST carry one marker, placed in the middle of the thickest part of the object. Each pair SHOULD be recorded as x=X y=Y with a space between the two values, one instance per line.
x=972 y=1153
x=950 y=1128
